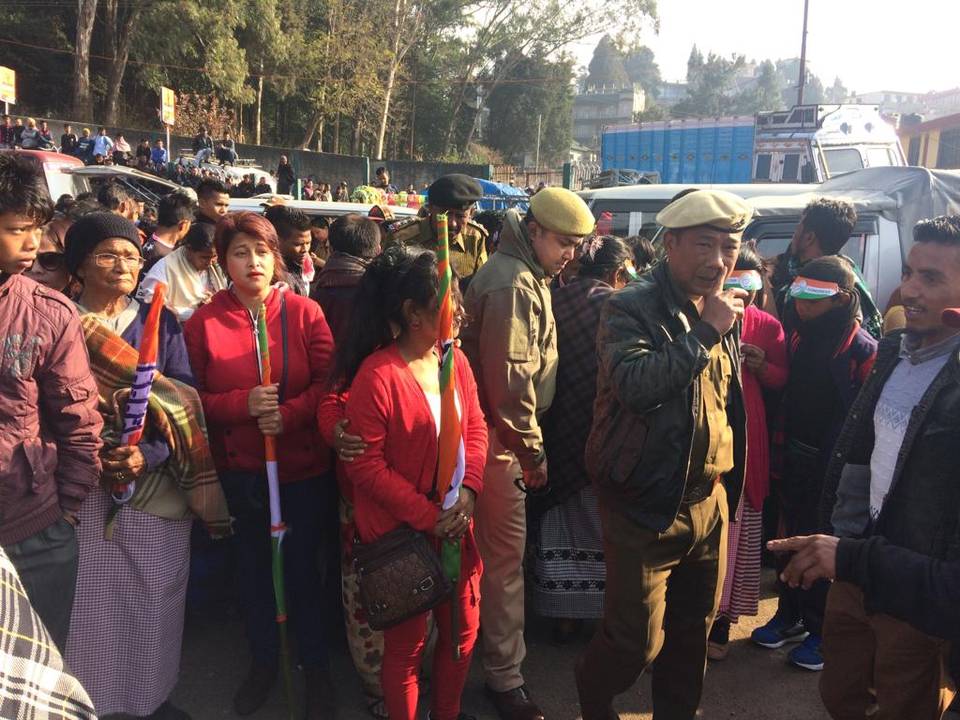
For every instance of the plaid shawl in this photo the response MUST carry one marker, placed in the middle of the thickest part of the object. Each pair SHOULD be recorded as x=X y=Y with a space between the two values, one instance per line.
x=566 y=426
x=187 y=482
x=33 y=682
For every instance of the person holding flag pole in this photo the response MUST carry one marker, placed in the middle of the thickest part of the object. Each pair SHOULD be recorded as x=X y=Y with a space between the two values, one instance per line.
x=158 y=474
x=423 y=465
x=261 y=355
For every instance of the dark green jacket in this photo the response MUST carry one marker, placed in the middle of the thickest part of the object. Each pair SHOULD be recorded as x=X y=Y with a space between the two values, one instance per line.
x=650 y=357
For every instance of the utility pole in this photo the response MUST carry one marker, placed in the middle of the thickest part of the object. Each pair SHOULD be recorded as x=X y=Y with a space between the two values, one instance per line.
x=539 y=122
x=803 y=54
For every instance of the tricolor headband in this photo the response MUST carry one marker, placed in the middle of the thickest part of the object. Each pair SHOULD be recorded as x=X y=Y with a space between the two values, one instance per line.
x=809 y=289
x=748 y=280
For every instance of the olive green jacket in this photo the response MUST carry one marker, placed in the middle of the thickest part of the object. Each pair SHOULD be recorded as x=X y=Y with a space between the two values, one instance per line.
x=511 y=342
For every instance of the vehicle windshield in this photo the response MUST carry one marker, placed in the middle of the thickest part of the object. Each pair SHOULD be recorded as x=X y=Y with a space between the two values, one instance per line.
x=842 y=160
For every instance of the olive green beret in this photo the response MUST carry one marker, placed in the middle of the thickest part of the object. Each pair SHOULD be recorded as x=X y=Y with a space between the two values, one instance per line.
x=562 y=211
x=718 y=209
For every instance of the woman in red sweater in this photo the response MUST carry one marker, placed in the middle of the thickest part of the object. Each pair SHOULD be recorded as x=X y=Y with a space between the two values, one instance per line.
x=390 y=363
x=222 y=344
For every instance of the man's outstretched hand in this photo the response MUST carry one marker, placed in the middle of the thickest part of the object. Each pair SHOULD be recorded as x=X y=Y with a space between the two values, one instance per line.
x=815 y=558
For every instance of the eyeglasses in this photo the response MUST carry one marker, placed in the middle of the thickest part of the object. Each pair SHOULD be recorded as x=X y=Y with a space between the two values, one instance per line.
x=109 y=260
x=50 y=261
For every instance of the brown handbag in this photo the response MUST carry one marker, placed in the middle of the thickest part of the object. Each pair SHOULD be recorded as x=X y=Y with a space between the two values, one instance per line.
x=400 y=576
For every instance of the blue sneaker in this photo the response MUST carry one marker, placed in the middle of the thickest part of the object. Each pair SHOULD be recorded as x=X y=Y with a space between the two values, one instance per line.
x=807 y=654
x=778 y=632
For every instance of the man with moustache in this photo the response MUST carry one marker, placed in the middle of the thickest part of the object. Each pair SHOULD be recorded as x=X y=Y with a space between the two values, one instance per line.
x=666 y=454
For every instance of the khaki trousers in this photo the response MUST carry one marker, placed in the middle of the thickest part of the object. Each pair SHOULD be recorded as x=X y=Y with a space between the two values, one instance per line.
x=662 y=593
x=861 y=651
x=501 y=532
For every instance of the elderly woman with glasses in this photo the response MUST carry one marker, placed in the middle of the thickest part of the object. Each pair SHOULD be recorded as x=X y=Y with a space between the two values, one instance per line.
x=127 y=623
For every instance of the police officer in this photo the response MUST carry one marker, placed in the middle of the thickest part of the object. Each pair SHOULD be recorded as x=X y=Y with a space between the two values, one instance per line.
x=454 y=195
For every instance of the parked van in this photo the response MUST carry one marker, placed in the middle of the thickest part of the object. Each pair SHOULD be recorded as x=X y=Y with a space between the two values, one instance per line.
x=889 y=202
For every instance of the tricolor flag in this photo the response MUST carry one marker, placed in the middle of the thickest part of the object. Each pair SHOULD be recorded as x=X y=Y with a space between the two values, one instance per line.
x=135 y=414
x=451 y=460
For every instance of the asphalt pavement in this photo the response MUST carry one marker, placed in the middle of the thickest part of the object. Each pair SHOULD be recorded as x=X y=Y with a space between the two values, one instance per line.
x=750 y=683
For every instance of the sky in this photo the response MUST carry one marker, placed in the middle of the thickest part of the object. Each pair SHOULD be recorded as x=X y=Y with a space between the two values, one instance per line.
x=870 y=44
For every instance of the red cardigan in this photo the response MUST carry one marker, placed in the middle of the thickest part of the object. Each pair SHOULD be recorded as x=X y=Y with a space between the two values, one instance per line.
x=392 y=479
x=223 y=355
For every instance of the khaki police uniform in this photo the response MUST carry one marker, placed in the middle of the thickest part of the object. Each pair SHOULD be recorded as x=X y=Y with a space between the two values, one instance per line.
x=468 y=251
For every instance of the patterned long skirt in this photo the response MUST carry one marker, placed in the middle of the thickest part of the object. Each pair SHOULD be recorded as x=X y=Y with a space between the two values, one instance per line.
x=741 y=587
x=569 y=573
x=127 y=622
x=366 y=644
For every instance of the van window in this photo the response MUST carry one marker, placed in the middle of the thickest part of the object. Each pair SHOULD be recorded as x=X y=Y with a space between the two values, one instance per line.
x=763 y=167
x=791 y=167
x=878 y=157
x=843 y=160
x=913 y=154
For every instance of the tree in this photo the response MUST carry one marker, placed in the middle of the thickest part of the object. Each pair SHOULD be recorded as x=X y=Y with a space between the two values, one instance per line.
x=537 y=88
x=82 y=97
x=837 y=93
x=503 y=31
x=765 y=94
x=643 y=70
x=119 y=24
x=607 y=68
x=710 y=85
x=405 y=24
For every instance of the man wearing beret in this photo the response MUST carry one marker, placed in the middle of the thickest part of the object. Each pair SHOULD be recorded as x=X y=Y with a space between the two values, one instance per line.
x=666 y=455
x=511 y=342
x=454 y=195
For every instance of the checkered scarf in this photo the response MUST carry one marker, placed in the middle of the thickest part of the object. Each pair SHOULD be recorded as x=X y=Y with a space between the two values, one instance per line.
x=33 y=682
x=187 y=482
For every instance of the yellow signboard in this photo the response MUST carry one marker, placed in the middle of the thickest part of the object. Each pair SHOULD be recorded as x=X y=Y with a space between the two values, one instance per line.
x=8 y=85
x=167 y=106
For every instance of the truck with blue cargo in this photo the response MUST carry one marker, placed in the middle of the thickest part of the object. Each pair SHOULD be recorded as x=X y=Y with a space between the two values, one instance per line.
x=806 y=144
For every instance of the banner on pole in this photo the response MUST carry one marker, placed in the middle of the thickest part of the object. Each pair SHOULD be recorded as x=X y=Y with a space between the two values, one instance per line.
x=8 y=85
x=168 y=100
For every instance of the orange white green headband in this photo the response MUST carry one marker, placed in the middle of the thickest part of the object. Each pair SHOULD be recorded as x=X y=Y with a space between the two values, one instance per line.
x=809 y=289
x=748 y=280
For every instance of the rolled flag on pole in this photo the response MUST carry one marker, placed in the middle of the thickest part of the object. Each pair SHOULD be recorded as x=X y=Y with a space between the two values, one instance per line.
x=277 y=526
x=451 y=462
x=135 y=414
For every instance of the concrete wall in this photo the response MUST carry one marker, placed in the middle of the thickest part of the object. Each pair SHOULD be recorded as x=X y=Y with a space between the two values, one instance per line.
x=325 y=167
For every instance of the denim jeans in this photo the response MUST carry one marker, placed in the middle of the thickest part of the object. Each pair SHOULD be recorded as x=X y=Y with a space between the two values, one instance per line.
x=305 y=506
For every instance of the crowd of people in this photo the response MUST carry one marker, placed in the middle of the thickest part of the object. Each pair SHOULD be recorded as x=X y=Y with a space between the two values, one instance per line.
x=626 y=420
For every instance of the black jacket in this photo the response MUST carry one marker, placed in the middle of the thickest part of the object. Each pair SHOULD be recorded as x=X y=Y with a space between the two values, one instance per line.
x=650 y=356
x=921 y=511
x=336 y=291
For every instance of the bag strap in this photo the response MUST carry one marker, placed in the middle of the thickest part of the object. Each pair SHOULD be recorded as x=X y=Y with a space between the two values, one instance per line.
x=283 y=344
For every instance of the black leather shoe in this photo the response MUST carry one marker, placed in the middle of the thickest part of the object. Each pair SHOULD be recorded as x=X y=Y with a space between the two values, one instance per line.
x=319 y=700
x=255 y=689
x=515 y=704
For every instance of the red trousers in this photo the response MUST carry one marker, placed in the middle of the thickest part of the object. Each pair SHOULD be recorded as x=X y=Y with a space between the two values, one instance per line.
x=403 y=647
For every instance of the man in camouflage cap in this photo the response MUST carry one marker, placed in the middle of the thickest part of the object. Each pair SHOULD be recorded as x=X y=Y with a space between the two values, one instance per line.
x=454 y=195
x=665 y=454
